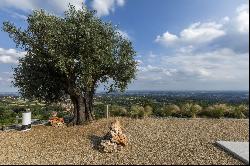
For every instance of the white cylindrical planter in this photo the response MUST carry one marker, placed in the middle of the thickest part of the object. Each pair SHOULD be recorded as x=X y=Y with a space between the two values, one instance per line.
x=26 y=121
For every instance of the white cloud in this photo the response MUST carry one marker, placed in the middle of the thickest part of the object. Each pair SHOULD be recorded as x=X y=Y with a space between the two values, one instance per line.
x=196 y=33
x=219 y=65
x=220 y=69
x=57 y=6
x=204 y=34
x=225 y=19
x=242 y=18
x=26 y=5
x=10 y=55
x=167 y=38
x=120 y=2
x=210 y=55
x=104 y=7
x=153 y=73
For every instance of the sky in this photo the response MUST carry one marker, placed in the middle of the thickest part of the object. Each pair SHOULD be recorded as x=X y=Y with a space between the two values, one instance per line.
x=180 y=44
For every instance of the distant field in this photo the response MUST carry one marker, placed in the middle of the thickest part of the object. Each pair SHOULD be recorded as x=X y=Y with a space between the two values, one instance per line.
x=151 y=141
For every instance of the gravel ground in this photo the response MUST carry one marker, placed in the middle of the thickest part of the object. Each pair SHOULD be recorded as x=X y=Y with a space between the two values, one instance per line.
x=151 y=141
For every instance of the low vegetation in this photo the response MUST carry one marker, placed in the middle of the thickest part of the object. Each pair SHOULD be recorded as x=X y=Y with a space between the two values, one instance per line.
x=10 y=108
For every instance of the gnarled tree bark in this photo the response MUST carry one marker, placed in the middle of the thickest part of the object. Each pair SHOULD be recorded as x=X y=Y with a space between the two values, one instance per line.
x=79 y=110
x=83 y=108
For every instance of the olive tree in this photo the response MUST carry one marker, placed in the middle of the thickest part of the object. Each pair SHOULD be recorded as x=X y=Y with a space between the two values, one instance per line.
x=71 y=56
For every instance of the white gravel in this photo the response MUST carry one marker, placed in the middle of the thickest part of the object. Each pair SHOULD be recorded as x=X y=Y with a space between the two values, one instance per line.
x=151 y=141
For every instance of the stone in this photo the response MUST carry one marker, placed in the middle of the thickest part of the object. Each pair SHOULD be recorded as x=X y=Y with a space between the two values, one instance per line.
x=115 y=139
x=238 y=149
x=56 y=122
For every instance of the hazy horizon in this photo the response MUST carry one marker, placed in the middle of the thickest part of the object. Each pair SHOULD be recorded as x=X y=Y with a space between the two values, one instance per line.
x=161 y=91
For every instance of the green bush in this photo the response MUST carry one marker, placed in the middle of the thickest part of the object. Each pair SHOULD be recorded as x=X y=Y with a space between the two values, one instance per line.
x=44 y=113
x=7 y=116
x=169 y=110
x=240 y=112
x=136 y=111
x=246 y=111
x=99 y=111
x=7 y=121
x=217 y=111
x=195 y=110
x=190 y=110
x=148 y=110
x=186 y=110
x=118 y=111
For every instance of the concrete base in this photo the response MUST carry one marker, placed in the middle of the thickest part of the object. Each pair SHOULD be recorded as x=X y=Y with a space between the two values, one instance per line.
x=239 y=149
x=26 y=127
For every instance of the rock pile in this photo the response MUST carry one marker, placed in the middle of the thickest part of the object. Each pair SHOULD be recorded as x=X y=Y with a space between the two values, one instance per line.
x=56 y=121
x=114 y=140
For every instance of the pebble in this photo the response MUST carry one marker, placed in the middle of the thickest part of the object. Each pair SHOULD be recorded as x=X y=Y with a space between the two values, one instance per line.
x=151 y=141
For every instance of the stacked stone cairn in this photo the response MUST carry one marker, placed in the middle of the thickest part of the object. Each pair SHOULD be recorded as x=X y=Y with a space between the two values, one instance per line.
x=114 y=140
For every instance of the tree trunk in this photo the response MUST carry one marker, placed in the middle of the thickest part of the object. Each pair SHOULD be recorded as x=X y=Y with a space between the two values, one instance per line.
x=83 y=108
x=88 y=101
x=79 y=110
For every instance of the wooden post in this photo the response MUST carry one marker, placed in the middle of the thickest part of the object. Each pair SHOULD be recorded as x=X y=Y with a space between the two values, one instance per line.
x=107 y=112
x=16 y=122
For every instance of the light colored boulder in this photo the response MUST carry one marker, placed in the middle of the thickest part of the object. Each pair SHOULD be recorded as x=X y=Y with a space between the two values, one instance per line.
x=115 y=139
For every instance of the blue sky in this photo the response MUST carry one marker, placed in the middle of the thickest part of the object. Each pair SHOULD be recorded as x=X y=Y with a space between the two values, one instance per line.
x=180 y=44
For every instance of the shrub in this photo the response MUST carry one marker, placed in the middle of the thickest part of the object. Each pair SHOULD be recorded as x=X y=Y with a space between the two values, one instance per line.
x=240 y=111
x=195 y=109
x=217 y=111
x=99 y=111
x=170 y=110
x=245 y=110
x=136 y=111
x=18 y=110
x=148 y=110
x=118 y=111
x=190 y=110
x=7 y=116
x=186 y=110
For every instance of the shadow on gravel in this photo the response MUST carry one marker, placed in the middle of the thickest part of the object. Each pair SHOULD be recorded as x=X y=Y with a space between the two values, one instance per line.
x=95 y=141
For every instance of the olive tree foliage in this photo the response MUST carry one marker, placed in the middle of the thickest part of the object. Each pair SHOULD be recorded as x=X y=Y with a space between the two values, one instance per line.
x=71 y=56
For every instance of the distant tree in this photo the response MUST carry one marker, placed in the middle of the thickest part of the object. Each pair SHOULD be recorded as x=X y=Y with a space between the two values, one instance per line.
x=71 y=56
